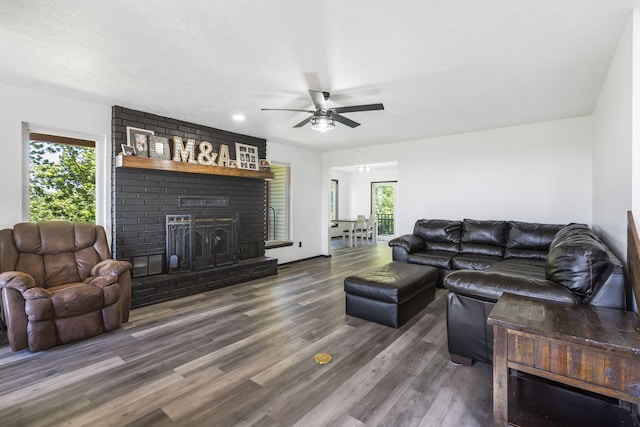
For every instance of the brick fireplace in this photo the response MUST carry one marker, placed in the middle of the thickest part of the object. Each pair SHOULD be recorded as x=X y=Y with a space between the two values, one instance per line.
x=143 y=200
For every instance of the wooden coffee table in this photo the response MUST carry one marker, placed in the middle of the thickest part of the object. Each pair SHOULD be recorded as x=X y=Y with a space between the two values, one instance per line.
x=582 y=346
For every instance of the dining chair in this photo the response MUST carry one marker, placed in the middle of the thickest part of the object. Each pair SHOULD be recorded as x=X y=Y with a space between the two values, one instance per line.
x=355 y=229
x=360 y=230
x=372 y=228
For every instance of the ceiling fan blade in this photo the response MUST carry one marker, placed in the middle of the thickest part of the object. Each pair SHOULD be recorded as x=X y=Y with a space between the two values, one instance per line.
x=344 y=120
x=304 y=122
x=354 y=108
x=286 y=109
x=318 y=99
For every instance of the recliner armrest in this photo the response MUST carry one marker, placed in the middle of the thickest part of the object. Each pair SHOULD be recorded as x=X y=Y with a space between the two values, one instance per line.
x=101 y=281
x=17 y=280
x=408 y=242
x=110 y=267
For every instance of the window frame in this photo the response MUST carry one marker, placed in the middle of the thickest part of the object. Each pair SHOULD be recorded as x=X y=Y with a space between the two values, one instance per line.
x=286 y=240
x=335 y=190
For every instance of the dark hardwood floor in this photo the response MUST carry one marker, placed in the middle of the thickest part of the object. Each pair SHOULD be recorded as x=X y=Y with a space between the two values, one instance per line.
x=243 y=355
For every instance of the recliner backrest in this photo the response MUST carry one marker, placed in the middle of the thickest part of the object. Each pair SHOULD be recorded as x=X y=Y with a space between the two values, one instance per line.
x=53 y=252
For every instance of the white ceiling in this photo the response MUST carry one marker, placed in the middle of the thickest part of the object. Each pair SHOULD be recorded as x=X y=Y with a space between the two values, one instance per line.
x=439 y=67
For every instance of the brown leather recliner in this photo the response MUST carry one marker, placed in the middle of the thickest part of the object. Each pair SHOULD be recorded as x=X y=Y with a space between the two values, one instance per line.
x=59 y=284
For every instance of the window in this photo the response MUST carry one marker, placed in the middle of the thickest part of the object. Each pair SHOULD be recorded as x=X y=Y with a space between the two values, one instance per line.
x=383 y=204
x=278 y=205
x=333 y=200
x=62 y=178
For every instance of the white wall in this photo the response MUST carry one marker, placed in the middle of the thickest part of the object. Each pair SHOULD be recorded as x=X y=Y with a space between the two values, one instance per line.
x=539 y=173
x=46 y=111
x=635 y=118
x=307 y=208
x=355 y=190
x=612 y=148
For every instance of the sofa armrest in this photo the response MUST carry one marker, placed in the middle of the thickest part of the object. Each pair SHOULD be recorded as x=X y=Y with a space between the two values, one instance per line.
x=408 y=242
x=110 y=267
x=490 y=286
x=17 y=280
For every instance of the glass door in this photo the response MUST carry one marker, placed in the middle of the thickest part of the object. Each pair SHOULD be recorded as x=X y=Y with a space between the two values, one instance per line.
x=383 y=204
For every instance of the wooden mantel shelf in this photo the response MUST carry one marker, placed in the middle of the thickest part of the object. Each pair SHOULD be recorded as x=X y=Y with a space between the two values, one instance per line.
x=170 y=165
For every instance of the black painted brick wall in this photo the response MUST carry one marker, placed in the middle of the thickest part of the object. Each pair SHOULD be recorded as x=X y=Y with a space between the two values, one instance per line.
x=142 y=198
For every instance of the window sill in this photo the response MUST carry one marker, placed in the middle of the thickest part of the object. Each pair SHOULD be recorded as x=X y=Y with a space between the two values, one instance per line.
x=277 y=244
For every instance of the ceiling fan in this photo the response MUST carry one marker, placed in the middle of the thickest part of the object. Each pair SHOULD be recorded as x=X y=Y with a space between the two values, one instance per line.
x=324 y=118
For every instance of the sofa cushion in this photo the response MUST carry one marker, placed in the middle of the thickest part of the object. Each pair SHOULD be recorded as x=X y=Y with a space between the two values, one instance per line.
x=480 y=249
x=530 y=240
x=440 y=259
x=526 y=253
x=473 y=261
x=577 y=261
x=438 y=230
x=489 y=286
x=571 y=230
x=442 y=246
x=533 y=268
x=484 y=232
x=483 y=237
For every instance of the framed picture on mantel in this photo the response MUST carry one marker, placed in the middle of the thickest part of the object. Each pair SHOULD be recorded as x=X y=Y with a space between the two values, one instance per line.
x=159 y=147
x=247 y=156
x=139 y=139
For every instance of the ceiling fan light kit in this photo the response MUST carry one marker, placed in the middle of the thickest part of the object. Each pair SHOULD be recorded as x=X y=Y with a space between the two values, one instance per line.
x=324 y=118
x=322 y=123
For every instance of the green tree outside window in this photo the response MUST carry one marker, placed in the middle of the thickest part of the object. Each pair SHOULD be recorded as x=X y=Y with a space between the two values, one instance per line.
x=62 y=182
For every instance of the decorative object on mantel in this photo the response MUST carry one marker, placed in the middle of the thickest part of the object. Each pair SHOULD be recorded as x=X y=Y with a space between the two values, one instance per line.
x=139 y=142
x=224 y=159
x=184 y=153
x=128 y=150
x=265 y=164
x=247 y=156
x=141 y=145
x=205 y=156
x=187 y=153
x=159 y=147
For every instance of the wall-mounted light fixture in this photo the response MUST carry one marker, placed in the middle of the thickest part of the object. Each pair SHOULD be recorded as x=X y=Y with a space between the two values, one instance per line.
x=364 y=169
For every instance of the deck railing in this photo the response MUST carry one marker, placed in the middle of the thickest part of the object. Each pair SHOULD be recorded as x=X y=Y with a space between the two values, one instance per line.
x=386 y=225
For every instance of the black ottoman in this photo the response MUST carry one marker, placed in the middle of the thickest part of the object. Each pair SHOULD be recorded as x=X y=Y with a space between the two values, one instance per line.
x=392 y=294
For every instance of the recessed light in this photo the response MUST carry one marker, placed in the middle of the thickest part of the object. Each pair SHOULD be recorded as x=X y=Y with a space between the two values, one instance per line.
x=238 y=117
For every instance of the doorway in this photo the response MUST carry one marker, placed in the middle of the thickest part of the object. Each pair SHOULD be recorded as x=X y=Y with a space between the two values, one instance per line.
x=383 y=204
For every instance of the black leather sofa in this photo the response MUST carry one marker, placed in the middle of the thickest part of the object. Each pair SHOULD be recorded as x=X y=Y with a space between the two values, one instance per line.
x=479 y=260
